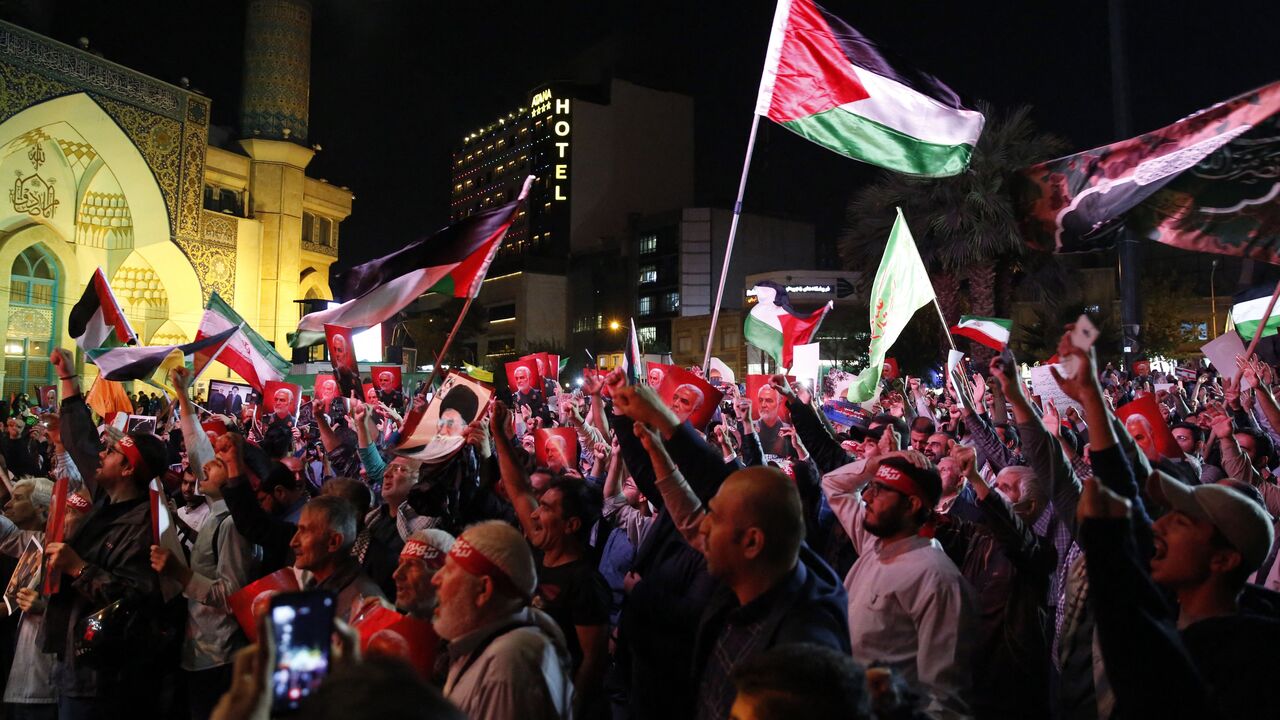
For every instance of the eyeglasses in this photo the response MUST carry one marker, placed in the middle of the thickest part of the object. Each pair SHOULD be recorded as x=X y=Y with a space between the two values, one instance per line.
x=872 y=489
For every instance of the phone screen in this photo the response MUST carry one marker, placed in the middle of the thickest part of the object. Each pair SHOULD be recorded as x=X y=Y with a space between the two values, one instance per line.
x=303 y=625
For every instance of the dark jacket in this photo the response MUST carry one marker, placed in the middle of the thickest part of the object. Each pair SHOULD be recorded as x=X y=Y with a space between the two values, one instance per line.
x=383 y=554
x=808 y=606
x=259 y=526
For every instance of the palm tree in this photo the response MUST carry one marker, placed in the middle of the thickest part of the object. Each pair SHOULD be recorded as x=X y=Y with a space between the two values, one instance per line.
x=966 y=226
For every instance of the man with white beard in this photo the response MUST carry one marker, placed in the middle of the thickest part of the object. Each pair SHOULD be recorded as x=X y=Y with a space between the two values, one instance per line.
x=506 y=658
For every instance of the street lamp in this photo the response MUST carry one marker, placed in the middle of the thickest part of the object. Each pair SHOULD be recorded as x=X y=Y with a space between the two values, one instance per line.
x=614 y=325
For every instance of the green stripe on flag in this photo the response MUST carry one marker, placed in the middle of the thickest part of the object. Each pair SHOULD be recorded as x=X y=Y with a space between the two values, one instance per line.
x=764 y=336
x=871 y=142
x=445 y=286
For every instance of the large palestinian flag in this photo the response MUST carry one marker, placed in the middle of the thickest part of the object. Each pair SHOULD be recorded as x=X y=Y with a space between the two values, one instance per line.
x=96 y=320
x=1210 y=182
x=827 y=82
x=454 y=262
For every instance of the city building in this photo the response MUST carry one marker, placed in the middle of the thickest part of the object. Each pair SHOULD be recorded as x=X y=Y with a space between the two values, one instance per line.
x=674 y=267
x=116 y=170
x=602 y=155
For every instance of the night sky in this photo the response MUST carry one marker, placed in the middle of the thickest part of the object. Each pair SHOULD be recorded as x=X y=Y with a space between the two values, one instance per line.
x=396 y=84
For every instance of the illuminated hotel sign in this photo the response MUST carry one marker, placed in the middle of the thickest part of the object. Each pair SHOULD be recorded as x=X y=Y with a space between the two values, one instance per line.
x=543 y=103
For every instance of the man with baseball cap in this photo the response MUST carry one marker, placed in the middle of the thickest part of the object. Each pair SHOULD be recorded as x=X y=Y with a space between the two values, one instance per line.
x=506 y=658
x=1216 y=659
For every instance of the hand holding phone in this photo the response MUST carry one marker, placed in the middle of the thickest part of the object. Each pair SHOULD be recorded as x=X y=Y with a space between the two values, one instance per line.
x=302 y=627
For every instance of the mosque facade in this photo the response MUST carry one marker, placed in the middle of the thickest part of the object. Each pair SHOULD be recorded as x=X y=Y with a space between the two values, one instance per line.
x=105 y=167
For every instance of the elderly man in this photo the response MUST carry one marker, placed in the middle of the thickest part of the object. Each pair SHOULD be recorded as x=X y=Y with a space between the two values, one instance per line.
x=773 y=591
x=686 y=400
x=656 y=376
x=773 y=438
x=282 y=406
x=507 y=660
x=322 y=548
x=389 y=392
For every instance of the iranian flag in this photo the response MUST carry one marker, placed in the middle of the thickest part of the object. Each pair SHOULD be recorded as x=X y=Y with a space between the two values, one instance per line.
x=827 y=82
x=776 y=328
x=992 y=332
x=96 y=319
x=248 y=354
x=453 y=262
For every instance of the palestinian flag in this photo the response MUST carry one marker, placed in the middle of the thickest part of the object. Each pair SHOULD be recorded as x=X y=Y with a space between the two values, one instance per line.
x=140 y=363
x=1248 y=310
x=775 y=327
x=992 y=332
x=826 y=82
x=248 y=354
x=97 y=320
x=1207 y=183
x=453 y=262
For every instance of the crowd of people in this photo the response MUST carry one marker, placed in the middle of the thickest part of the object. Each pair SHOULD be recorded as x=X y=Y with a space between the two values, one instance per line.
x=973 y=550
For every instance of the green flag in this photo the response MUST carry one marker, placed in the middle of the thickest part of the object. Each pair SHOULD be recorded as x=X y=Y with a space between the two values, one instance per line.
x=901 y=287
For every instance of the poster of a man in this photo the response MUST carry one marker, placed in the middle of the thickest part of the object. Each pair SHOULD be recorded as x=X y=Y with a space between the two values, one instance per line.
x=526 y=385
x=47 y=396
x=556 y=448
x=1142 y=420
x=342 y=358
x=442 y=430
x=770 y=409
x=689 y=396
x=389 y=382
x=227 y=398
x=657 y=371
x=280 y=402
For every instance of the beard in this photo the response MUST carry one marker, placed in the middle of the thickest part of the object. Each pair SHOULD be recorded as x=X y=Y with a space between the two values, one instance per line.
x=884 y=526
x=453 y=620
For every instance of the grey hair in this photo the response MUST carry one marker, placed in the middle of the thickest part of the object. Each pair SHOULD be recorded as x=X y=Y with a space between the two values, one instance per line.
x=341 y=516
x=41 y=490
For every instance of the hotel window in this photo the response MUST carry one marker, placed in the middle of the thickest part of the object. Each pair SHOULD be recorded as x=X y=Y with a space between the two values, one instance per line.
x=648 y=244
x=671 y=302
x=648 y=274
x=645 y=305
x=647 y=334
x=502 y=312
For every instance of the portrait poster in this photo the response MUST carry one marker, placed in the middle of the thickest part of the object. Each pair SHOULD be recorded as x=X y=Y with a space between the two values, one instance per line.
x=655 y=372
x=459 y=401
x=47 y=396
x=689 y=396
x=342 y=358
x=526 y=384
x=26 y=575
x=758 y=385
x=280 y=400
x=227 y=398
x=387 y=378
x=556 y=448
x=326 y=389
x=385 y=632
x=370 y=394
x=1143 y=421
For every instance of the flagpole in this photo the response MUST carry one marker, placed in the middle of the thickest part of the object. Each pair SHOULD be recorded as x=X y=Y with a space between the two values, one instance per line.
x=733 y=232
x=435 y=370
x=945 y=328
x=1257 y=334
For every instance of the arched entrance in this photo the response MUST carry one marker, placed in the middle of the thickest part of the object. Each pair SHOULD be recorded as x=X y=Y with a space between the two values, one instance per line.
x=34 y=317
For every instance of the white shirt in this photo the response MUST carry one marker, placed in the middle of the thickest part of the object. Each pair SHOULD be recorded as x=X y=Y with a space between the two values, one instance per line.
x=909 y=606
x=193 y=517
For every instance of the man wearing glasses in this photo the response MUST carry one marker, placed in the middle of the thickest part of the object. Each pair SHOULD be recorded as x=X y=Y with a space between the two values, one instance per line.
x=909 y=606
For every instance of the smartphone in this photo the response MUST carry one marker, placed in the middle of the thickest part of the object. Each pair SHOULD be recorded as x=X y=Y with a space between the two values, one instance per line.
x=302 y=623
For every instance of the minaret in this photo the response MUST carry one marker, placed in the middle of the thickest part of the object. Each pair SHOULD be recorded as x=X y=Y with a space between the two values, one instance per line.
x=274 y=111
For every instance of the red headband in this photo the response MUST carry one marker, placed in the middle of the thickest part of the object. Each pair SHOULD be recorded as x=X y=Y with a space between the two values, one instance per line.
x=77 y=501
x=430 y=554
x=129 y=450
x=475 y=563
x=900 y=481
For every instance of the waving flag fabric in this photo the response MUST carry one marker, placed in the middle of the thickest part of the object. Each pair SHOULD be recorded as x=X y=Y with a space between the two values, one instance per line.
x=776 y=328
x=96 y=319
x=140 y=363
x=248 y=354
x=992 y=332
x=827 y=82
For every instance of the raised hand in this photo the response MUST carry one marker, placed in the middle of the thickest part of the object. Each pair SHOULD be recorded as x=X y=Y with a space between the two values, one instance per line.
x=1098 y=502
x=592 y=381
x=1052 y=422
